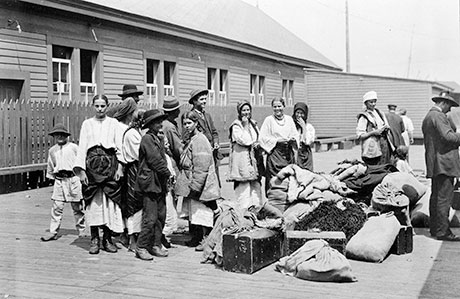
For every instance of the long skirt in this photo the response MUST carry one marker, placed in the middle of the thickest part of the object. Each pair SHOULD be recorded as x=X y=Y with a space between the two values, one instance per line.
x=305 y=157
x=281 y=156
x=103 y=211
x=247 y=194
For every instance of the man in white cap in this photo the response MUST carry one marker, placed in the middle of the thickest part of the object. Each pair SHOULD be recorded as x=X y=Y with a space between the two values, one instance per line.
x=442 y=164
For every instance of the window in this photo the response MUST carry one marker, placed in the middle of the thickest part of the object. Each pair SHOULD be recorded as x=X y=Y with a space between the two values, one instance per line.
x=169 y=69
x=10 y=89
x=61 y=73
x=288 y=91
x=253 y=89
x=211 y=86
x=223 y=87
x=152 y=81
x=261 y=95
x=88 y=86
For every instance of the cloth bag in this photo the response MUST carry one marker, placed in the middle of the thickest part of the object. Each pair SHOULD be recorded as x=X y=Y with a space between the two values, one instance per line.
x=374 y=240
x=370 y=147
x=317 y=261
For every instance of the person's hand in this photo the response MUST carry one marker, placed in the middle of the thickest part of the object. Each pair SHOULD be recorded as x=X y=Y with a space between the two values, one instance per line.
x=244 y=120
x=118 y=173
x=256 y=144
x=301 y=121
x=83 y=177
x=216 y=146
x=412 y=141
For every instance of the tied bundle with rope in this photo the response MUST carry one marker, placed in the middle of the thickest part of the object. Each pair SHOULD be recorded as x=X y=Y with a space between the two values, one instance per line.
x=344 y=215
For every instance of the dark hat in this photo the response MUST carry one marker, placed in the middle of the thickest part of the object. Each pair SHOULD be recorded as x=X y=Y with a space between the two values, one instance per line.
x=153 y=115
x=196 y=93
x=171 y=103
x=125 y=108
x=130 y=90
x=59 y=128
x=445 y=96
x=392 y=106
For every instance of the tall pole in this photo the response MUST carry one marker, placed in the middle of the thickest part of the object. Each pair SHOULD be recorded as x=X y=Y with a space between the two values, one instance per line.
x=347 y=38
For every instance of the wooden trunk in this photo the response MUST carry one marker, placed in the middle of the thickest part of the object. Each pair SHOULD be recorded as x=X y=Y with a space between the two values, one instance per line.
x=250 y=251
x=296 y=239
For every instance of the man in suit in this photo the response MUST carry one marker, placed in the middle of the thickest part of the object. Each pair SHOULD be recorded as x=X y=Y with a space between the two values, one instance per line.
x=198 y=98
x=442 y=163
x=397 y=128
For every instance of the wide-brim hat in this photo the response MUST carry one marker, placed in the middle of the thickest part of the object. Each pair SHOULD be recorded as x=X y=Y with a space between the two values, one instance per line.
x=59 y=128
x=130 y=90
x=171 y=103
x=445 y=96
x=151 y=116
x=196 y=93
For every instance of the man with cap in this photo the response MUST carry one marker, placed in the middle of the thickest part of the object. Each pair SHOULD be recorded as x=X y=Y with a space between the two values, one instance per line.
x=152 y=178
x=198 y=98
x=397 y=128
x=442 y=163
x=129 y=92
x=67 y=186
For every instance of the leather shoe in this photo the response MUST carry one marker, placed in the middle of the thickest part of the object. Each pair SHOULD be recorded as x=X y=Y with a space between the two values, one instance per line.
x=109 y=247
x=49 y=237
x=143 y=254
x=159 y=252
x=94 y=247
x=165 y=242
x=450 y=237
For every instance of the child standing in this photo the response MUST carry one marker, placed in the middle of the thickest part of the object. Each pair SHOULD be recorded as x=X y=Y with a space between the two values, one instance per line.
x=67 y=186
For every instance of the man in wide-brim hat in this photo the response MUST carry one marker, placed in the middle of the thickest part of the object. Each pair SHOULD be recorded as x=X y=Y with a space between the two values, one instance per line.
x=198 y=99
x=130 y=90
x=151 y=183
x=442 y=163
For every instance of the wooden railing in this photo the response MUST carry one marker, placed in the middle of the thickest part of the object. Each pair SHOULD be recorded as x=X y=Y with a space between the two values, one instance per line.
x=344 y=142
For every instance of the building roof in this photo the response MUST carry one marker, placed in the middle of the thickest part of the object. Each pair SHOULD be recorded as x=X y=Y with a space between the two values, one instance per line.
x=231 y=19
x=452 y=84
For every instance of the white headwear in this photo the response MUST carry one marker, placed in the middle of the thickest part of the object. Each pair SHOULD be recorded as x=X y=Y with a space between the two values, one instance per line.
x=370 y=95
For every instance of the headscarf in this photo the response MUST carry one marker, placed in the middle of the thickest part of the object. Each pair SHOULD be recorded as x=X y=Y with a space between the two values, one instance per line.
x=303 y=107
x=240 y=106
x=126 y=108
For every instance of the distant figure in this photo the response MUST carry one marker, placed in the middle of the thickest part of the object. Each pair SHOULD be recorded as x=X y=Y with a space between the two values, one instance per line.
x=401 y=162
x=372 y=130
x=408 y=135
x=67 y=186
x=442 y=164
x=396 y=128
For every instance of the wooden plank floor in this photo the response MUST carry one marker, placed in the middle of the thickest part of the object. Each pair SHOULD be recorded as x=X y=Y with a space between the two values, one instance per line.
x=63 y=268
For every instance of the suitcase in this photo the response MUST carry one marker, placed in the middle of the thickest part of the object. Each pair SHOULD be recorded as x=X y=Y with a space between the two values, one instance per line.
x=295 y=239
x=404 y=241
x=248 y=252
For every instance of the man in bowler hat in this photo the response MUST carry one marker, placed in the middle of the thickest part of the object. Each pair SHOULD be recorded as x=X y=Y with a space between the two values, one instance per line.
x=442 y=163
x=129 y=91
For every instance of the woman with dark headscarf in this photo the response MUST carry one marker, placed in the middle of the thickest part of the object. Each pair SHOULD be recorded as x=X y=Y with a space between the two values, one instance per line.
x=279 y=138
x=306 y=135
x=244 y=170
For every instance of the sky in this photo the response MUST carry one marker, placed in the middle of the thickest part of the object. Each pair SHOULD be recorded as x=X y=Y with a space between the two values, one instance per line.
x=416 y=39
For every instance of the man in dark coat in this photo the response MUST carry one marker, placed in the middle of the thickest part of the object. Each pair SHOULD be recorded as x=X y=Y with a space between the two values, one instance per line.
x=442 y=164
x=198 y=98
x=396 y=127
x=171 y=108
x=129 y=92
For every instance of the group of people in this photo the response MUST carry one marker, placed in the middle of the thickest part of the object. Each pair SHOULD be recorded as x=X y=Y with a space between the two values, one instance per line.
x=384 y=140
x=133 y=171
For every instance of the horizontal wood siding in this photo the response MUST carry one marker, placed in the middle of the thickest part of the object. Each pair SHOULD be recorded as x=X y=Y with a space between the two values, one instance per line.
x=191 y=75
x=299 y=90
x=272 y=88
x=238 y=85
x=122 y=66
x=335 y=100
x=26 y=52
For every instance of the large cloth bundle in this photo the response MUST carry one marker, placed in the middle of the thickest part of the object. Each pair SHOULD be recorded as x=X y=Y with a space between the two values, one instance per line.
x=386 y=197
x=317 y=261
x=374 y=240
x=408 y=184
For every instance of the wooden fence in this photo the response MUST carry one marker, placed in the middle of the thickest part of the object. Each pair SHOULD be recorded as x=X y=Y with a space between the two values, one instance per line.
x=24 y=139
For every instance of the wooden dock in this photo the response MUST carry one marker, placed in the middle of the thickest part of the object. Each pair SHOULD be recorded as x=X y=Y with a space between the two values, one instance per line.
x=63 y=268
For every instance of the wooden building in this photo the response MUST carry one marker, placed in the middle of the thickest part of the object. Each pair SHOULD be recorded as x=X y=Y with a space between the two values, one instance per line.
x=72 y=49
x=335 y=99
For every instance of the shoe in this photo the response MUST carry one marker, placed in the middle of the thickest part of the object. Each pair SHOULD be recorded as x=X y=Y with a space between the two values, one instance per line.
x=450 y=237
x=49 y=237
x=143 y=254
x=159 y=252
x=200 y=246
x=192 y=243
x=165 y=242
x=108 y=246
x=94 y=247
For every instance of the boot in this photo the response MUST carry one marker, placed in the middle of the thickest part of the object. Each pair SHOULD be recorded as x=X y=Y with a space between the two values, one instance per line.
x=143 y=254
x=165 y=242
x=107 y=243
x=95 y=241
x=132 y=242
x=159 y=252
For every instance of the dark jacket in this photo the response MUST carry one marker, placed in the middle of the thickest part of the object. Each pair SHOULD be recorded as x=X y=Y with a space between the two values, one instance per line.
x=396 y=124
x=153 y=173
x=175 y=141
x=441 y=145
